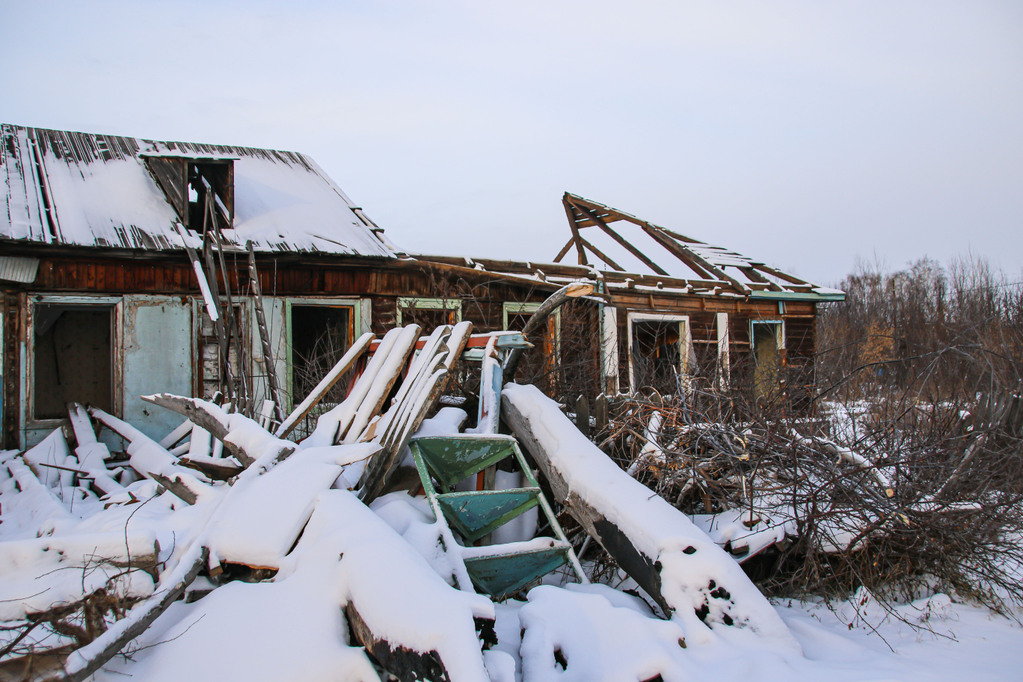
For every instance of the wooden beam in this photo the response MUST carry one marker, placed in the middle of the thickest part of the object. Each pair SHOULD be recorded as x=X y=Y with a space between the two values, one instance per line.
x=600 y=254
x=624 y=242
x=575 y=229
x=782 y=275
x=564 y=250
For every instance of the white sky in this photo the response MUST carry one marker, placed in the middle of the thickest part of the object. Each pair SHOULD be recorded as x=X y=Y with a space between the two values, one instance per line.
x=807 y=134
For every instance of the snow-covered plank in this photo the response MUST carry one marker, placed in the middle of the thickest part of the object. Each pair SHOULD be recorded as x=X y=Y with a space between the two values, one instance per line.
x=44 y=458
x=259 y=522
x=692 y=579
x=422 y=397
x=402 y=611
x=177 y=435
x=243 y=437
x=391 y=366
x=149 y=459
x=332 y=426
x=91 y=454
x=340 y=368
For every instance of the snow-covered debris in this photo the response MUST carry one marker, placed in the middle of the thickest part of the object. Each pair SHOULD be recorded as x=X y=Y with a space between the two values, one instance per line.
x=690 y=577
x=46 y=573
x=389 y=587
x=747 y=533
x=260 y=522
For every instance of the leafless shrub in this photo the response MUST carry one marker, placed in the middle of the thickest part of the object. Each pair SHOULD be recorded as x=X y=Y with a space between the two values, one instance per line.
x=917 y=497
x=65 y=627
x=909 y=477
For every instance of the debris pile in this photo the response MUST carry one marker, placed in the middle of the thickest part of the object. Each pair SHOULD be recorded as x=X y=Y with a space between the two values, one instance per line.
x=198 y=554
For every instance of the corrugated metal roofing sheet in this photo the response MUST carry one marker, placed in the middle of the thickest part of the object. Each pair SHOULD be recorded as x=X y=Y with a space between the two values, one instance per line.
x=95 y=190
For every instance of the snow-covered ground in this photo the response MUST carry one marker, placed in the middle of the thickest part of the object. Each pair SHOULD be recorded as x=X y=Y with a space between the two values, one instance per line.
x=333 y=554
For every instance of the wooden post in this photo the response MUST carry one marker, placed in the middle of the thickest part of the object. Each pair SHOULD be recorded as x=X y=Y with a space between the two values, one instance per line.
x=582 y=415
x=600 y=412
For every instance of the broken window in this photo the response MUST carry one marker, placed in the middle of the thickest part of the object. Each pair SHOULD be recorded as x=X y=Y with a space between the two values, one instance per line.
x=187 y=181
x=768 y=341
x=660 y=348
x=429 y=313
x=320 y=335
x=72 y=357
x=212 y=179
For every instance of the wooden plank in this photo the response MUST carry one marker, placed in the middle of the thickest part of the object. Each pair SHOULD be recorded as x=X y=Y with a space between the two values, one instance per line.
x=564 y=250
x=575 y=231
x=177 y=435
x=203 y=418
x=145 y=452
x=341 y=367
x=407 y=664
x=384 y=465
x=391 y=367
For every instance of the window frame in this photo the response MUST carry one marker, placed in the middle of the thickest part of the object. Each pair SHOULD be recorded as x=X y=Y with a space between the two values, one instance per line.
x=421 y=303
x=779 y=333
x=685 y=340
x=28 y=387
x=360 y=323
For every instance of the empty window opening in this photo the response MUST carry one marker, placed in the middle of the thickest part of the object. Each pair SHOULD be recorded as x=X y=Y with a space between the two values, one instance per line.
x=186 y=182
x=658 y=352
x=320 y=335
x=429 y=313
x=767 y=362
x=213 y=180
x=72 y=358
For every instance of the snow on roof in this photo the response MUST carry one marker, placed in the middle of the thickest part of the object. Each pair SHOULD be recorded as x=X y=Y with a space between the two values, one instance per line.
x=84 y=189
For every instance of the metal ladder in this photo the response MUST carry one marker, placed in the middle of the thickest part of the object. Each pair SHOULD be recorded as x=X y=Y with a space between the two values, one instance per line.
x=496 y=570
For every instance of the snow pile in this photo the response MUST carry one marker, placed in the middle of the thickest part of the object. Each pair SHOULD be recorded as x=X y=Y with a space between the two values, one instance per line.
x=596 y=633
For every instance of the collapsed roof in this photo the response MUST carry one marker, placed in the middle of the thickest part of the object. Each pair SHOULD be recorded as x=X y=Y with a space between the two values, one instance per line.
x=83 y=189
x=683 y=265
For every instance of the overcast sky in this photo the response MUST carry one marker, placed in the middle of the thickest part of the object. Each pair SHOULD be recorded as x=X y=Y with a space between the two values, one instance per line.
x=806 y=134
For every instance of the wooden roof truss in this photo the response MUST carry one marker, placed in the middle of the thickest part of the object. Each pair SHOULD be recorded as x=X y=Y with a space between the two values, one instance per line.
x=711 y=264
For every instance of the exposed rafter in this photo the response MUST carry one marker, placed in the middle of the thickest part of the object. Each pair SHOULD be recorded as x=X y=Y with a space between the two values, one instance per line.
x=726 y=269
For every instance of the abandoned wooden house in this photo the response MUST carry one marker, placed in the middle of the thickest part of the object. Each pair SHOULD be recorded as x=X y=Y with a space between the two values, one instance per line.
x=132 y=266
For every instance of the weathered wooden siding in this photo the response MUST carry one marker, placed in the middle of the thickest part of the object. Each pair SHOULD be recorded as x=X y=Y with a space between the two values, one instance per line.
x=382 y=283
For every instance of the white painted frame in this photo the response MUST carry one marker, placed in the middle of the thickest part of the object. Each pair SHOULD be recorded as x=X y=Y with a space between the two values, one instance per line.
x=724 y=356
x=779 y=332
x=685 y=340
x=609 y=349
